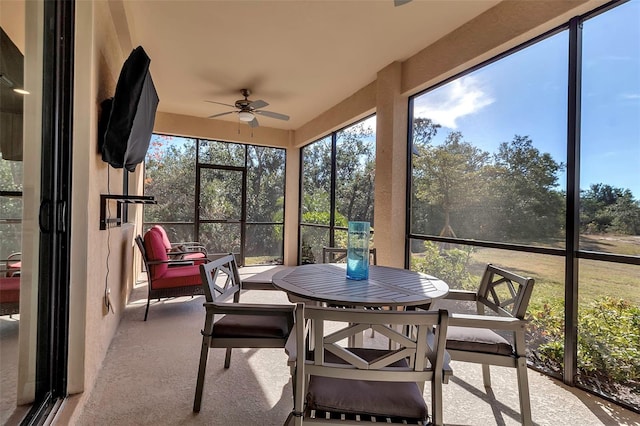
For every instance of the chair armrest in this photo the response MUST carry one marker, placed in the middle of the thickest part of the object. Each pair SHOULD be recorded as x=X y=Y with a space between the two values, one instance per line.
x=187 y=243
x=187 y=247
x=290 y=348
x=470 y=296
x=196 y=249
x=177 y=262
x=174 y=252
x=249 y=308
x=258 y=285
x=483 y=321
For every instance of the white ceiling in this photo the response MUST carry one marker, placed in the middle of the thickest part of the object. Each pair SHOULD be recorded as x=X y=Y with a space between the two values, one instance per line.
x=302 y=57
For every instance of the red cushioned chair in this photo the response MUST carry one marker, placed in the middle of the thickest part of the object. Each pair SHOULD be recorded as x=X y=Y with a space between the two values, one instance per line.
x=178 y=280
x=183 y=250
x=10 y=284
x=9 y=295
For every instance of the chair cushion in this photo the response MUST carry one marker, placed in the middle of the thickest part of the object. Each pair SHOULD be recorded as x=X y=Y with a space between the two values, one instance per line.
x=374 y=398
x=156 y=251
x=258 y=326
x=165 y=237
x=196 y=255
x=178 y=276
x=10 y=290
x=477 y=340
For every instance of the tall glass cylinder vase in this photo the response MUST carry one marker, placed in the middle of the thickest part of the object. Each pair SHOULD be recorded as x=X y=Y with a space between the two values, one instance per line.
x=358 y=251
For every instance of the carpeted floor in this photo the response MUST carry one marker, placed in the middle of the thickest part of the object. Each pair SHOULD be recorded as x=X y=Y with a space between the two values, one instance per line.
x=149 y=376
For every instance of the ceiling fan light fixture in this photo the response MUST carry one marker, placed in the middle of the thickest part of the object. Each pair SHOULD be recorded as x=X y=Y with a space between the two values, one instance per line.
x=247 y=110
x=245 y=116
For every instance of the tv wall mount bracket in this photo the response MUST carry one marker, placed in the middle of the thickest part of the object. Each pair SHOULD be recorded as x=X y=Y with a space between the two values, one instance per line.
x=120 y=200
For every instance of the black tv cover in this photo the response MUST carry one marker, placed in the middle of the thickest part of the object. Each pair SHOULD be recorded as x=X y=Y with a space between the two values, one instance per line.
x=132 y=114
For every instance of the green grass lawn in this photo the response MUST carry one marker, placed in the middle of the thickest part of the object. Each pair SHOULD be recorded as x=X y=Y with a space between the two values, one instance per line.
x=596 y=279
x=608 y=339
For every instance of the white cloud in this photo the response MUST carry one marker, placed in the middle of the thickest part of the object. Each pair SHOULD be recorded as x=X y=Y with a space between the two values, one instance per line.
x=630 y=96
x=445 y=105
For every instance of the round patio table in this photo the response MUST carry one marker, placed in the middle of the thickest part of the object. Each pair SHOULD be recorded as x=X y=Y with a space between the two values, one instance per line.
x=327 y=282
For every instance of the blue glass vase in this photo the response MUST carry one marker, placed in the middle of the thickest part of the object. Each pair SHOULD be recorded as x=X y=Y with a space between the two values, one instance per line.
x=358 y=251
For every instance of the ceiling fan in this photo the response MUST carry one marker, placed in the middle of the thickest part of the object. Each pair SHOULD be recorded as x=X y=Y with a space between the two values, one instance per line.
x=247 y=110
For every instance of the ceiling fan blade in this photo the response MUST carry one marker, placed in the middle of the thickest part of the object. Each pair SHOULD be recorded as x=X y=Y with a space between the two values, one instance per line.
x=220 y=103
x=400 y=2
x=253 y=123
x=258 y=104
x=221 y=114
x=272 y=115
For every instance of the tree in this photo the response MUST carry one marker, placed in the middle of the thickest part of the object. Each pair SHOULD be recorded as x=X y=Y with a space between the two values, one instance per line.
x=11 y=207
x=424 y=130
x=316 y=182
x=265 y=200
x=604 y=208
x=449 y=176
x=425 y=216
x=171 y=178
x=524 y=182
x=355 y=173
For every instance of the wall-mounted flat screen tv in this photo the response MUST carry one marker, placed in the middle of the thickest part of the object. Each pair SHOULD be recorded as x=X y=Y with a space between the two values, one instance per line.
x=127 y=119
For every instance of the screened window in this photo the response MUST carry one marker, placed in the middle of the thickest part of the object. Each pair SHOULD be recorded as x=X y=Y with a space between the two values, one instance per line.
x=609 y=293
x=10 y=207
x=490 y=151
x=490 y=174
x=337 y=186
x=227 y=196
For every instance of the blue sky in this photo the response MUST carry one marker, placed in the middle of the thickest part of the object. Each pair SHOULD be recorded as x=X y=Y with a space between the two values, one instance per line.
x=526 y=94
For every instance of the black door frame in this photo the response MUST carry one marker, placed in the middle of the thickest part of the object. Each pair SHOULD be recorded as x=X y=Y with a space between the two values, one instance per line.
x=55 y=214
x=243 y=204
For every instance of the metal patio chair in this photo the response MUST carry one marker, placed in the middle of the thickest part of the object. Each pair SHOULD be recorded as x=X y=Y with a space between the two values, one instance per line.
x=474 y=338
x=336 y=384
x=231 y=324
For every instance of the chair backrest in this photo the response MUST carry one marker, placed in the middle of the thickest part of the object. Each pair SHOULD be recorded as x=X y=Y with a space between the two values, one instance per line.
x=424 y=348
x=419 y=357
x=339 y=255
x=506 y=293
x=220 y=279
x=155 y=252
x=143 y=252
x=165 y=237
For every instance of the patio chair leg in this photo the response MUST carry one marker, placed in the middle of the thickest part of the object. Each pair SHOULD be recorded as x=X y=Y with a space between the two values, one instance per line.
x=227 y=358
x=486 y=376
x=523 y=391
x=436 y=402
x=204 y=354
x=289 y=421
x=146 y=312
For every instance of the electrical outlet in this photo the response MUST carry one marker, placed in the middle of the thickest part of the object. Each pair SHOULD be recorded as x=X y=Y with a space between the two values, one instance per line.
x=108 y=307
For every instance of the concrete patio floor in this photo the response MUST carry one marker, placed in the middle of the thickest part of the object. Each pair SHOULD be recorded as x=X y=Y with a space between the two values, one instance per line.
x=149 y=375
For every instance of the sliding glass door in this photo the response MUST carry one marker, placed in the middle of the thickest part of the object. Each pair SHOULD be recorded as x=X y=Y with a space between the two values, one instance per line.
x=36 y=81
